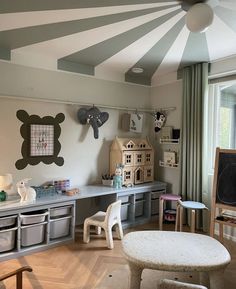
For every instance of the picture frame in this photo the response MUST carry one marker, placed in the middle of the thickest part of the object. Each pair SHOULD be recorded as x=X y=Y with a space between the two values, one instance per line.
x=41 y=140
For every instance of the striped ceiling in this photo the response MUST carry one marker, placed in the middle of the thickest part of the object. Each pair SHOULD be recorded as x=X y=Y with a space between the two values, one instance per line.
x=107 y=38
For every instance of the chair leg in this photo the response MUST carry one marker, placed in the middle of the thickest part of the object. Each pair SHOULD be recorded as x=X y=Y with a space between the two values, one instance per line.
x=177 y=218
x=98 y=230
x=86 y=235
x=119 y=231
x=109 y=238
x=181 y=218
x=192 y=227
x=161 y=208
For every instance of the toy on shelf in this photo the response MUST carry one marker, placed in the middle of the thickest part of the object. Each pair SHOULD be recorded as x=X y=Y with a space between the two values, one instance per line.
x=26 y=193
x=117 y=179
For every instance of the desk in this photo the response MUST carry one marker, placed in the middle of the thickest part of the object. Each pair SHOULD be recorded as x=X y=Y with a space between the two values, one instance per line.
x=175 y=251
x=104 y=195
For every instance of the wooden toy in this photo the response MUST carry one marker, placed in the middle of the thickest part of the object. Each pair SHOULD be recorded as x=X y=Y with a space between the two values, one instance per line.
x=137 y=157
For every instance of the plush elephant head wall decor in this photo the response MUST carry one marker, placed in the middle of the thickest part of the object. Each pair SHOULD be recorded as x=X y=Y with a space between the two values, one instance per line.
x=92 y=116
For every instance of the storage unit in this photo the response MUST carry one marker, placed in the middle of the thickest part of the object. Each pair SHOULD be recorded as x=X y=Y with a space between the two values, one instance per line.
x=124 y=211
x=60 y=211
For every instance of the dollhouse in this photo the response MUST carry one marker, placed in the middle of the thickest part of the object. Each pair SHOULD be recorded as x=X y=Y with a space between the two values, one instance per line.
x=136 y=155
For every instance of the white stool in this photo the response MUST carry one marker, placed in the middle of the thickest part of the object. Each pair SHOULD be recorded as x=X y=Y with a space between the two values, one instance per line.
x=171 y=284
x=105 y=220
x=193 y=206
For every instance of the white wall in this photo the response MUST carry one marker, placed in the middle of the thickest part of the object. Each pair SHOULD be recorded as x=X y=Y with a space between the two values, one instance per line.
x=85 y=158
x=164 y=96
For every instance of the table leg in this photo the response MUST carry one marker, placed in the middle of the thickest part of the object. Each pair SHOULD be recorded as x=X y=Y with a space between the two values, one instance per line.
x=217 y=279
x=204 y=279
x=135 y=276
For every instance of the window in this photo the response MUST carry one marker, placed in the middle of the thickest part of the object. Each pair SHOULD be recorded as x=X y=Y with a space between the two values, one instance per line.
x=220 y=129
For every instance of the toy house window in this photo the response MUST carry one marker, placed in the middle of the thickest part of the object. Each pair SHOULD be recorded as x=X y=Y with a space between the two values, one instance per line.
x=149 y=173
x=127 y=175
x=148 y=157
x=130 y=146
x=139 y=158
x=128 y=159
x=142 y=145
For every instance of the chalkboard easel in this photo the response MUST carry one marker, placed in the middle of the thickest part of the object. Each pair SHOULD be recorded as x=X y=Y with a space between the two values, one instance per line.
x=224 y=190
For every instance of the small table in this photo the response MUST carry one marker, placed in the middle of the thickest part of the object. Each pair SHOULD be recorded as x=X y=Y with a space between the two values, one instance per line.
x=178 y=252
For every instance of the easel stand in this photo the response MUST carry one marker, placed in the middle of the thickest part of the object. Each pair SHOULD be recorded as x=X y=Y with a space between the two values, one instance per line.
x=224 y=193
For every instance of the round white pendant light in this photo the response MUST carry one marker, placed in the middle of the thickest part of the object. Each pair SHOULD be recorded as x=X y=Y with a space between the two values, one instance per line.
x=199 y=17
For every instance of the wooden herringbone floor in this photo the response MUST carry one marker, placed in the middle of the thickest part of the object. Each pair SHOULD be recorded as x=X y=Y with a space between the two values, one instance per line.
x=82 y=266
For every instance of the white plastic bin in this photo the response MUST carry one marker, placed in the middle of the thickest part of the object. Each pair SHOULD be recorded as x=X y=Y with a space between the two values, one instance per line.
x=124 y=199
x=34 y=217
x=32 y=235
x=7 y=239
x=139 y=196
x=7 y=221
x=124 y=211
x=139 y=208
x=60 y=211
x=155 y=206
x=60 y=228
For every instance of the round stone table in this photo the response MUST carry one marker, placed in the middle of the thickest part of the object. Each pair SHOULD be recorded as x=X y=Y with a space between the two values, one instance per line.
x=175 y=251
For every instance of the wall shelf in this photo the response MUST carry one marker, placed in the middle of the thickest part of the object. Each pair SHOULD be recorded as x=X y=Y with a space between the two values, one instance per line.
x=168 y=165
x=169 y=141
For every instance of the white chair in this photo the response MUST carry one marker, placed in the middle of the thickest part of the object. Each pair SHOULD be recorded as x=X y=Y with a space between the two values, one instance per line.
x=105 y=220
x=172 y=284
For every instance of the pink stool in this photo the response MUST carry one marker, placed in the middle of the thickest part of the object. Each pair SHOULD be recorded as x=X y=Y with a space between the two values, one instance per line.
x=166 y=197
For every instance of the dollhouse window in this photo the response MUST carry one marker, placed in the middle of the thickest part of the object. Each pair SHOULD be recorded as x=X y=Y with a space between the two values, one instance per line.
x=139 y=158
x=142 y=145
x=127 y=175
x=128 y=159
x=148 y=157
x=138 y=175
x=149 y=173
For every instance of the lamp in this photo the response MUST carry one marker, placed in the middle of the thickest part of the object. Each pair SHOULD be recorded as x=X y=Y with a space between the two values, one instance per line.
x=6 y=184
x=199 y=17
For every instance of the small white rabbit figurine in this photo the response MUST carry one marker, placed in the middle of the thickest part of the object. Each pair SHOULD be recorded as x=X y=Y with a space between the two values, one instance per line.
x=26 y=193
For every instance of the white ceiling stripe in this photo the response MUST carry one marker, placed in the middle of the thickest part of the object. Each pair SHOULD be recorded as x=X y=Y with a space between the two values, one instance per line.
x=10 y=21
x=173 y=57
x=222 y=43
x=123 y=60
x=228 y=5
x=63 y=46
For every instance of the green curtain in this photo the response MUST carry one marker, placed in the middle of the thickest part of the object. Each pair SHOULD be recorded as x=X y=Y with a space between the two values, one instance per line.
x=195 y=87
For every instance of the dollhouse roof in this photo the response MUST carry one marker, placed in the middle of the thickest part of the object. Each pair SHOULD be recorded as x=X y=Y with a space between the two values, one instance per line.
x=131 y=144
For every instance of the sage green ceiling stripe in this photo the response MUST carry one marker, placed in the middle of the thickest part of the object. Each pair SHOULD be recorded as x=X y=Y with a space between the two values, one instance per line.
x=5 y=53
x=153 y=58
x=98 y=53
x=10 y=6
x=16 y=38
x=75 y=67
x=195 y=51
x=226 y=15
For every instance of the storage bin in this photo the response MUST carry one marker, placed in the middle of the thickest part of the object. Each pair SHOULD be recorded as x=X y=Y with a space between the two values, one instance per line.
x=154 y=206
x=7 y=221
x=124 y=211
x=124 y=199
x=60 y=212
x=139 y=196
x=7 y=239
x=60 y=228
x=156 y=195
x=139 y=208
x=32 y=235
x=33 y=217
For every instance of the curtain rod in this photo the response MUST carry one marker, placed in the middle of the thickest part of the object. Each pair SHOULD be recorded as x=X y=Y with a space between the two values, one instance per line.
x=87 y=104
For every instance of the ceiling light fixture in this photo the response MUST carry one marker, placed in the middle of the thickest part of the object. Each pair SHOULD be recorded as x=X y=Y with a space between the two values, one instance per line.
x=137 y=70
x=199 y=17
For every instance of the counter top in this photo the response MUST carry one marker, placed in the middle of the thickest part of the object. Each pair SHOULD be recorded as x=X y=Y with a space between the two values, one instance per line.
x=89 y=191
